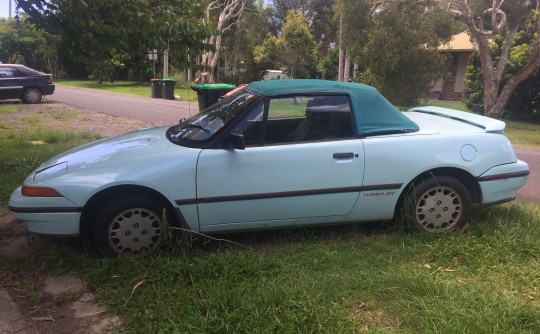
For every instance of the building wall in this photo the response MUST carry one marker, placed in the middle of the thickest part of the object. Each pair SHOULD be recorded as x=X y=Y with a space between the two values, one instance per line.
x=463 y=62
x=452 y=85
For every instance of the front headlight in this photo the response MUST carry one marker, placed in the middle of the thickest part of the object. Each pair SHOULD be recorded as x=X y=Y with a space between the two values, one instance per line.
x=44 y=173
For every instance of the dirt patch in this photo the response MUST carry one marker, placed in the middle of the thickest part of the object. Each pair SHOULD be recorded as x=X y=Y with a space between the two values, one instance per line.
x=58 y=116
x=46 y=303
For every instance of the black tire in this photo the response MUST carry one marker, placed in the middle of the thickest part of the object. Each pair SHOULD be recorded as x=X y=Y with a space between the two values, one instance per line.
x=130 y=226
x=32 y=95
x=437 y=205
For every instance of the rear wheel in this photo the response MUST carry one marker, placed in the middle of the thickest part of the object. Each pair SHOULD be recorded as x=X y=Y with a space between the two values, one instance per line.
x=130 y=226
x=32 y=95
x=438 y=204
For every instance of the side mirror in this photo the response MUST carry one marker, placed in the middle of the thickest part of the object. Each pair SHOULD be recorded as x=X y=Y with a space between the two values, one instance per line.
x=235 y=141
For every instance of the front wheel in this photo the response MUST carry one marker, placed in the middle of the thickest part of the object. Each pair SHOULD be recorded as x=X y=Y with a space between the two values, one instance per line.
x=438 y=204
x=130 y=226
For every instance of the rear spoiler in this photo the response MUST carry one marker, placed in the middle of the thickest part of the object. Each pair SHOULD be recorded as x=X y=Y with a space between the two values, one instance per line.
x=488 y=124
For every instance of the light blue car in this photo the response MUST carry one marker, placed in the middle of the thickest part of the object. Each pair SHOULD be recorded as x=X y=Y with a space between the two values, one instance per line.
x=275 y=154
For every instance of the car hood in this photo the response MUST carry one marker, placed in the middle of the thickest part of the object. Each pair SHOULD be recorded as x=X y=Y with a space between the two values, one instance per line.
x=136 y=144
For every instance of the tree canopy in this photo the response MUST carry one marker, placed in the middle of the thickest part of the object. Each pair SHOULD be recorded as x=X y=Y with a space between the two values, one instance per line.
x=390 y=44
x=101 y=34
x=292 y=50
x=396 y=44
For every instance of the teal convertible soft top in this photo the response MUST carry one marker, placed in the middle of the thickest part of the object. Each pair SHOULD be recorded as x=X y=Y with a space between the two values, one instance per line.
x=373 y=113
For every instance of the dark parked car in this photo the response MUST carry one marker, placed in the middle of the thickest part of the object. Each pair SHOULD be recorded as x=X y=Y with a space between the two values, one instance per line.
x=26 y=84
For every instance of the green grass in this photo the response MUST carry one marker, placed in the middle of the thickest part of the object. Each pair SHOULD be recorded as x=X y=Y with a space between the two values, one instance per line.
x=523 y=134
x=288 y=107
x=19 y=155
x=7 y=109
x=32 y=119
x=445 y=104
x=358 y=278
x=129 y=87
x=329 y=280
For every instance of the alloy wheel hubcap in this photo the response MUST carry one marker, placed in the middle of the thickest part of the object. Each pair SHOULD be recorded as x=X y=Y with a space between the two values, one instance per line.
x=439 y=209
x=33 y=95
x=135 y=231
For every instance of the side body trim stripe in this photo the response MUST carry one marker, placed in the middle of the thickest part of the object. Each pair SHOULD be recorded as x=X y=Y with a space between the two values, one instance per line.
x=295 y=193
x=44 y=210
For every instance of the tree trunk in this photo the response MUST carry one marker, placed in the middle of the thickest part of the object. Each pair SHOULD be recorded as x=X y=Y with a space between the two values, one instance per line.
x=341 y=53
x=230 y=9
x=347 y=68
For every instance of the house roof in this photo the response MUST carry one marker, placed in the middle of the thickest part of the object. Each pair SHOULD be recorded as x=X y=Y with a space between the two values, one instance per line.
x=459 y=43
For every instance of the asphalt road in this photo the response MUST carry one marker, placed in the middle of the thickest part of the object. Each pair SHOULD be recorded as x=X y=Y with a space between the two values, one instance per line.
x=163 y=112
x=154 y=111
x=530 y=192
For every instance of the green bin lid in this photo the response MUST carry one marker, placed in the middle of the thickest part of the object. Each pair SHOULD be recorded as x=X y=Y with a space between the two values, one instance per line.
x=213 y=86
x=168 y=79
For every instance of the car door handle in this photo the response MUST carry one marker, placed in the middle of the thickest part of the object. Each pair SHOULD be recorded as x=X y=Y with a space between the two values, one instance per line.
x=346 y=155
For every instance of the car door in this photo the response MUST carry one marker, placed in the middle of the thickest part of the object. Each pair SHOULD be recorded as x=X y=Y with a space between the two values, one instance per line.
x=11 y=84
x=302 y=162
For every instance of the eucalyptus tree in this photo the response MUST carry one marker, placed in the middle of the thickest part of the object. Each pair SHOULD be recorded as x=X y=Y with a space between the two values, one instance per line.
x=237 y=62
x=353 y=17
x=292 y=50
x=321 y=22
x=319 y=15
x=396 y=43
x=280 y=11
x=223 y=15
x=524 y=102
x=485 y=21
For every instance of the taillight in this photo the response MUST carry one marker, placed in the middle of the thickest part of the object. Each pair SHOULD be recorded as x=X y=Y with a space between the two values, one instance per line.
x=49 y=81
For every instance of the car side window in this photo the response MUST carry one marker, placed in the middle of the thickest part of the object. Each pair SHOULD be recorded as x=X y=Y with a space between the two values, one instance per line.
x=298 y=119
x=9 y=72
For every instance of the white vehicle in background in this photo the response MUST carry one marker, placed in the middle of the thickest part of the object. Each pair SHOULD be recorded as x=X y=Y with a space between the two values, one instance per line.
x=275 y=75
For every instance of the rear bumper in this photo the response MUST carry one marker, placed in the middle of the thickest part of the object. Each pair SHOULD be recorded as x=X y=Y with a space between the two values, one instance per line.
x=48 y=90
x=501 y=183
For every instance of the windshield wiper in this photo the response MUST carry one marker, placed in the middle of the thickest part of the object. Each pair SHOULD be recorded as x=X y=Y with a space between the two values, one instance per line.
x=196 y=126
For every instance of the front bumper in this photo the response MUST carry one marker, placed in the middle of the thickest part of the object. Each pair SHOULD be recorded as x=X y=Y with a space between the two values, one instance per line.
x=46 y=215
x=501 y=183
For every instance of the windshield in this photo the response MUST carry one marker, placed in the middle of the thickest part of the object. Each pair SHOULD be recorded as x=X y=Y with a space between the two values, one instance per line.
x=207 y=123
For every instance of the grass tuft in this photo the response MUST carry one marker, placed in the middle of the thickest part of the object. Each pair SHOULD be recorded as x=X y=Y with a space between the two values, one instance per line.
x=344 y=279
x=24 y=150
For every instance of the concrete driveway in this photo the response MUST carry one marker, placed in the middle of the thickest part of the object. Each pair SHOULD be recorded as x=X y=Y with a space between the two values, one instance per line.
x=154 y=111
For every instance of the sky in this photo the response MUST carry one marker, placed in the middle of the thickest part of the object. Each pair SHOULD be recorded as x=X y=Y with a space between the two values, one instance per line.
x=4 y=8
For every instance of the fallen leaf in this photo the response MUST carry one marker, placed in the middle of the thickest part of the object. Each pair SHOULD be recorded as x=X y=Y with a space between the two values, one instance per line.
x=134 y=288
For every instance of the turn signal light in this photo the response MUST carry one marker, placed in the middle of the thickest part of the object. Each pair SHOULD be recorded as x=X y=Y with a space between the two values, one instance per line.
x=39 y=192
